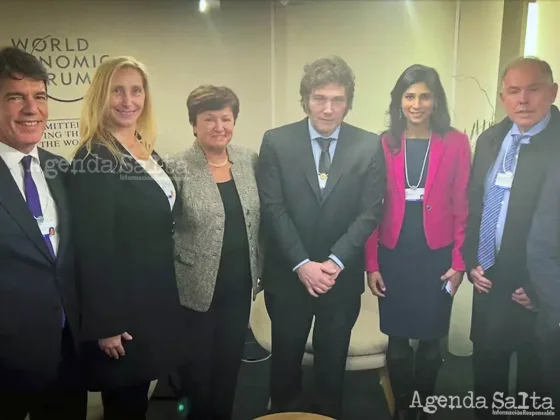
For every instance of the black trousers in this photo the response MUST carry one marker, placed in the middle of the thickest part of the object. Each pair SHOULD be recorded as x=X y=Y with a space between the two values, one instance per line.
x=549 y=362
x=413 y=376
x=291 y=321
x=491 y=374
x=126 y=403
x=217 y=339
x=62 y=399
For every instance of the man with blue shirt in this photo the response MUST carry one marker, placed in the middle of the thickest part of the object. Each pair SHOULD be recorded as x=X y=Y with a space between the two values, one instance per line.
x=321 y=183
x=510 y=163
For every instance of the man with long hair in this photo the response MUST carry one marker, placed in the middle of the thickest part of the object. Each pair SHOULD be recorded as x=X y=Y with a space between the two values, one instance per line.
x=321 y=183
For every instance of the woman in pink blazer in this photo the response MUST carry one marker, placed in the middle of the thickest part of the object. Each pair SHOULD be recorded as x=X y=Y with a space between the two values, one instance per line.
x=413 y=260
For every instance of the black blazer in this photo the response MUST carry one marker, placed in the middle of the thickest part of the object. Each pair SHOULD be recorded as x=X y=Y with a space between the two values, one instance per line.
x=299 y=223
x=123 y=228
x=543 y=254
x=34 y=288
x=497 y=321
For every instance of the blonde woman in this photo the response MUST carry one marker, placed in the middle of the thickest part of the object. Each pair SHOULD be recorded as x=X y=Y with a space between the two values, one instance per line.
x=122 y=201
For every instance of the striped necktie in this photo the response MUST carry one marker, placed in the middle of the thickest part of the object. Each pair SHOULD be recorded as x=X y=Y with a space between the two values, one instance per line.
x=492 y=205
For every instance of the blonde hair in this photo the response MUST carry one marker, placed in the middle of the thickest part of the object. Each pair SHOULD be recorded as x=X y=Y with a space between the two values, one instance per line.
x=93 y=120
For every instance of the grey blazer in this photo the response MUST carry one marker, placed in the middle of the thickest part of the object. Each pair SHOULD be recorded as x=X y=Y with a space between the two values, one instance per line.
x=200 y=221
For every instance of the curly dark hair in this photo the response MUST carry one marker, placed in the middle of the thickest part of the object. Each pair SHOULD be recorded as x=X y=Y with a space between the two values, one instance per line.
x=323 y=71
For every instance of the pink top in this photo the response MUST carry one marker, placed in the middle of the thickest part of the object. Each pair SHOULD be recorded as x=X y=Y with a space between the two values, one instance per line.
x=445 y=198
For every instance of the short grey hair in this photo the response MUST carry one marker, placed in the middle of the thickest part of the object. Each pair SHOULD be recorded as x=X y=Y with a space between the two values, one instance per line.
x=544 y=67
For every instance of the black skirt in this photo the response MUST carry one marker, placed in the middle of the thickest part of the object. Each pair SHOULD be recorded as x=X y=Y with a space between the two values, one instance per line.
x=414 y=306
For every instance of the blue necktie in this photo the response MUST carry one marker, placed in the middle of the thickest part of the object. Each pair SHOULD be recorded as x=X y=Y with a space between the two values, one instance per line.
x=492 y=205
x=34 y=204
x=32 y=197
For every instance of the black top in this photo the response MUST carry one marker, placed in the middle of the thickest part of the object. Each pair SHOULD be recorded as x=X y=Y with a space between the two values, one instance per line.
x=413 y=224
x=234 y=268
x=123 y=235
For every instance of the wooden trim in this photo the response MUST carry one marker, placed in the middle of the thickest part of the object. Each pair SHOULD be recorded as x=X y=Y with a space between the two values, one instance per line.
x=387 y=390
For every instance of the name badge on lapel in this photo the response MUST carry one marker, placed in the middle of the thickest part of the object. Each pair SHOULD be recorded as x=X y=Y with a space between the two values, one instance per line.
x=46 y=226
x=504 y=180
x=414 y=194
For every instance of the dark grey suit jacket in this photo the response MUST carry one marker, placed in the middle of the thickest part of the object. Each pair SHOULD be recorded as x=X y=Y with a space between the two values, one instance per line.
x=497 y=321
x=34 y=288
x=301 y=223
x=543 y=253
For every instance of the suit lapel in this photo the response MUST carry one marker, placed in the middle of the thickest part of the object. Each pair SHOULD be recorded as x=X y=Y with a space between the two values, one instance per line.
x=304 y=152
x=200 y=176
x=489 y=156
x=14 y=203
x=141 y=179
x=531 y=162
x=241 y=176
x=437 y=150
x=397 y=161
x=161 y=162
x=339 y=162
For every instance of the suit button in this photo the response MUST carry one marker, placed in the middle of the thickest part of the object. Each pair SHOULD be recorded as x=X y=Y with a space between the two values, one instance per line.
x=172 y=231
x=428 y=207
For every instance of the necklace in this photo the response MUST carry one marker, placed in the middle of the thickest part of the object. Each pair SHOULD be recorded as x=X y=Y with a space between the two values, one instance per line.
x=423 y=164
x=219 y=165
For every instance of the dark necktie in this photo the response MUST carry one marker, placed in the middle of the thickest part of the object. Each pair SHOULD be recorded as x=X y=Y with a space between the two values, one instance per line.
x=325 y=158
x=32 y=197
x=34 y=204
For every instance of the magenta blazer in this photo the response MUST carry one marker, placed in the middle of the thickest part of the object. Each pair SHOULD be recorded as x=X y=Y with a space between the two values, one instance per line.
x=445 y=198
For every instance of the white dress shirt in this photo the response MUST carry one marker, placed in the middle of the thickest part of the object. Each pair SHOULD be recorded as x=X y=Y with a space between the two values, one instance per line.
x=316 y=148
x=12 y=158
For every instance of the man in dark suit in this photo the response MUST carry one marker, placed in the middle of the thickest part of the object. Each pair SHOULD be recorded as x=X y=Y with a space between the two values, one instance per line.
x=509 y=165
x=543 y=261
x=38 y=305
x=317 y=217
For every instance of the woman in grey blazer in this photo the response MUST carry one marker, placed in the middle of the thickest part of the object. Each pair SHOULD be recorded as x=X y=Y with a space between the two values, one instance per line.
x=216 y=243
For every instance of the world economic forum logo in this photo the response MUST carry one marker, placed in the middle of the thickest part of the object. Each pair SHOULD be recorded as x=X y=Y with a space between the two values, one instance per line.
x=69 y=62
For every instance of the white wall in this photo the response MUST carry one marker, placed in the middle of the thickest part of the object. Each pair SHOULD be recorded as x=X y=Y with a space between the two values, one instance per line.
x=257 y=50
x=478 y=60
x=378 y=39
x=475 y=87
x=181 y=48
x=547 y=46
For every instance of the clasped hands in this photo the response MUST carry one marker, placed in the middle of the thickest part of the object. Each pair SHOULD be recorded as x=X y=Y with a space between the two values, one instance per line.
x=318 y=278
